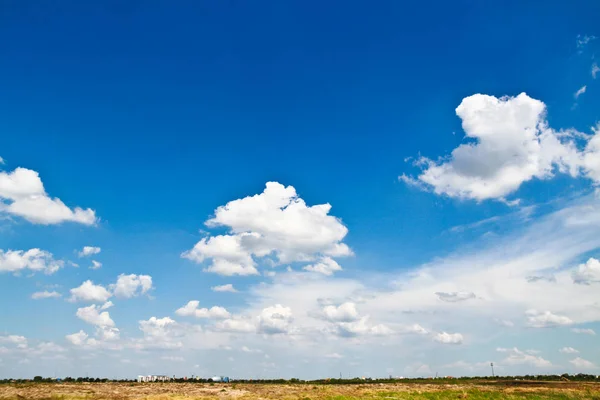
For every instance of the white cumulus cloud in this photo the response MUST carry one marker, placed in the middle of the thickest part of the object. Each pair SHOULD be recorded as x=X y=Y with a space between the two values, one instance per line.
x=224 y=288
x=326 y=266
x=94 y=316
x=88 y=291
x=131 y=285
x=448 y=338
x=275 y=223
x=361 y=327
x=568 y=350
x=191 y=310
x=516 y=356
x=22 y=194
x=345 y=312
x=582 y=363
x=45 y=295
x=584 y=331
x=276 y=319
x=545 y=319
x=228 y=255
x=96 y=265
x=33 y=260
x=236 y=325
x=587 y=273
x=454 y=297
x=512 y=144
x=89 y=251
x=77 y=339
x=19 y=341
x=580 y=91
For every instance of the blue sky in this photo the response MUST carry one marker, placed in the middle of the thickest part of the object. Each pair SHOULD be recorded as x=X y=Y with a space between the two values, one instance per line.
x=456 y=143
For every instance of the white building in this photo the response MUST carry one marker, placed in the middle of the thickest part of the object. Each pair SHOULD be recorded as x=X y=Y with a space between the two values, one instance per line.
x=153 y=378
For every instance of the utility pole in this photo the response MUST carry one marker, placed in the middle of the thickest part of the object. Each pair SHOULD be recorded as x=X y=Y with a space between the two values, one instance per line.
x=492 y=365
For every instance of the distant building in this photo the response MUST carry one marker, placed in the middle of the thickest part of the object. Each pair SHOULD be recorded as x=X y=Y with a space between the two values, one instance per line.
x=220 y=379
x=153 y=378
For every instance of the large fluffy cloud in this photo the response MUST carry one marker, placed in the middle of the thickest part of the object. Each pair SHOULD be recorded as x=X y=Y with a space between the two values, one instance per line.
x=33 y=260
x=22 y=194
x=274 y=223
x=512 y=144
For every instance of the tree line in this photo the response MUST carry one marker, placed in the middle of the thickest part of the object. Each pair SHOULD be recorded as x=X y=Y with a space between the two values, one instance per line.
x=540 y=378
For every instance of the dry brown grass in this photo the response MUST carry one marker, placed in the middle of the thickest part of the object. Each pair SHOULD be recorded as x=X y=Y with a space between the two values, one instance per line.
x=192 y=391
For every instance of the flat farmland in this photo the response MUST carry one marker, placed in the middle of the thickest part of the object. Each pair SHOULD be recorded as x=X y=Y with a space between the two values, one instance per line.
x=304 y=391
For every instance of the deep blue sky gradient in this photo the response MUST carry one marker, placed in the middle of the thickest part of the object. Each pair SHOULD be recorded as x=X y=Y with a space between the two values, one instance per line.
x=154 y=113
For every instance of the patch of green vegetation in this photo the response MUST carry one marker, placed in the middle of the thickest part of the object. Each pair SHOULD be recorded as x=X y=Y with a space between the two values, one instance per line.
x=475 y=395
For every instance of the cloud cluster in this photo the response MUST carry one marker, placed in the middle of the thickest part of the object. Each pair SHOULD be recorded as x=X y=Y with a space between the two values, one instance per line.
x=126 y=286
x=276 y=225
x=22 y=194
